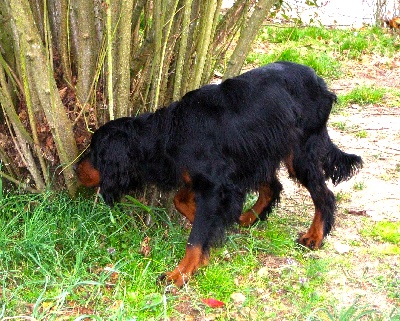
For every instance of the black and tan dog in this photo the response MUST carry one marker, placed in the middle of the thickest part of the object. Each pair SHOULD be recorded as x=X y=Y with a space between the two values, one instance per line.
x=220 y=142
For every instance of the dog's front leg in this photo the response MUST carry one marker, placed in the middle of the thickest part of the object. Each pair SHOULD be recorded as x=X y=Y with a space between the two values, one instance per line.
x=196 y=255
x=216 y=207
x=185 y=203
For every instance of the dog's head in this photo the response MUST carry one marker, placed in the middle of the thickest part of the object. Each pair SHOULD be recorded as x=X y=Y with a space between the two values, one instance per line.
x=112 y=160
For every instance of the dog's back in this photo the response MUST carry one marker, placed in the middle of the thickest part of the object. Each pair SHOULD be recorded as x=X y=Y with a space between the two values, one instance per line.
x=310 y=97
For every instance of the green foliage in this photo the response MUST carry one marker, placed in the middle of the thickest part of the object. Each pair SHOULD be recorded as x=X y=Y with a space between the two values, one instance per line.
x=342 y=197
x=390 y=282
x=348 y=43
x=1 y=182
x=359 y=186
x=323 y=64
x=323 y=49
x=339 y=125
x=282 y=35
x=364 y=95
x=56 y=250
x=362 y=134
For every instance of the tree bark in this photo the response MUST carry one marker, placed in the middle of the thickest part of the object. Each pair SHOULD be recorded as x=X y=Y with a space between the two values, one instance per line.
x=22 y=139
x=182 y=48
x=62 y=35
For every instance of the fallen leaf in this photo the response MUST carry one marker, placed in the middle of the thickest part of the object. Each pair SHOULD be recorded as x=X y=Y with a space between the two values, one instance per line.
x=358 y=212
x=213 y=303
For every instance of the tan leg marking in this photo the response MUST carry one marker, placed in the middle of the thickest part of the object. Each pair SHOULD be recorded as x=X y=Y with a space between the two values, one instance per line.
x=313 y=238
x=264 y=198
x=185 y=203
x=194 y=258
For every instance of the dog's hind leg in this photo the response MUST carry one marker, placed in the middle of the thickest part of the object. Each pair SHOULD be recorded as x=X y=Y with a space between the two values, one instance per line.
x=268 y=197
x=324 y=203
x=309 y=172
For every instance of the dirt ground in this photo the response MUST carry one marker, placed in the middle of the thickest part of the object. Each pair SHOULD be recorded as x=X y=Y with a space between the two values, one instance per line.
x=380 y=149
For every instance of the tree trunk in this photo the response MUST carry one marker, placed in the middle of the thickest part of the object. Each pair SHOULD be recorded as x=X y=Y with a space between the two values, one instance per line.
x=206 y=25
x=87 y=48
x=247 y=36
x=182 y=49
x=61 y=35
x=123 y=41
x=23 y=141
x=41 y=84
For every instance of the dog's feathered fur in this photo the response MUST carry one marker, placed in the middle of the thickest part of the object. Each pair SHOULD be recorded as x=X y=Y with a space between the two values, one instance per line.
x=220 y=142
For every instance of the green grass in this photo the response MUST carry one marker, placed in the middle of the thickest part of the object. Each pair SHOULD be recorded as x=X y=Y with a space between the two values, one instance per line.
x=323 y=64
x=56 y=250
x=355 y=312
x=321 y=48
x=362 y=134
x=342 y=197
x=346 y=42
x=366 y=95
x=385 y=231
x=62 y=257
x=325 y=50
x=361 y=95
x=340 y=125
x=359 y=186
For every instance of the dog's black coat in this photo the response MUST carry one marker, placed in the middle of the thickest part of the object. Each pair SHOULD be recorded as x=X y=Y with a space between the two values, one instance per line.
x=230 y=139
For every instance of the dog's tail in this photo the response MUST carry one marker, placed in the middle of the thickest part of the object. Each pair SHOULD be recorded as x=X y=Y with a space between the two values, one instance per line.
x=340 y=166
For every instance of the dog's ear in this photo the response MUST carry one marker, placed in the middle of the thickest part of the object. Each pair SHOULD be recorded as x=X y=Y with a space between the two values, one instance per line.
x=117 y=158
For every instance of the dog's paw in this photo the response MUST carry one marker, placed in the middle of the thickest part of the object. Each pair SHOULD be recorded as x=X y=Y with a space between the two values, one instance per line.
x=248 y=219
x=173 y=277
x=312 y=241
x=194 y=258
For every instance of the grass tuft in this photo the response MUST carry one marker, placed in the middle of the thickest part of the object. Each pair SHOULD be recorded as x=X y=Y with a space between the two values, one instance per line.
x=354 y=312
x=385 y=231
x=361 y=95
